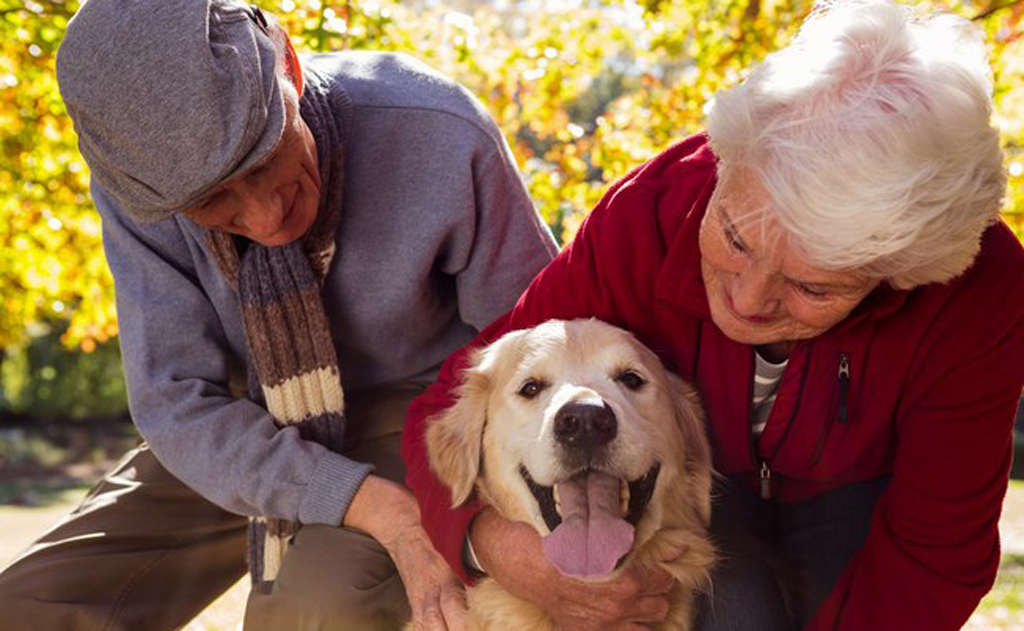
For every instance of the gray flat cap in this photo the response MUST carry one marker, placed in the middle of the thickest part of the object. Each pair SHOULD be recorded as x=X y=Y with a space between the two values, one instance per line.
x=169 y=97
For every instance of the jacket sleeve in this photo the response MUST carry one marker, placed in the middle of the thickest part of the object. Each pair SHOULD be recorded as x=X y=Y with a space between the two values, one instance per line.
x=567 y=288
x=177 y=360
x=932 y=550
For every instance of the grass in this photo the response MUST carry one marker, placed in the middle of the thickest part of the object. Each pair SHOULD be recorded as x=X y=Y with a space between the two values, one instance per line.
x=1003 y=608
x=38 y=464
x=1008 y=594
x=35 y=492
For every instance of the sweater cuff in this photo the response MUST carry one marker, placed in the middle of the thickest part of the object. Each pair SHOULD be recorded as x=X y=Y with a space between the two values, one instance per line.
x=331 y=489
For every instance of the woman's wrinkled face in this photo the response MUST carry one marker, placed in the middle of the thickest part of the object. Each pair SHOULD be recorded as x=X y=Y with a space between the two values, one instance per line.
x=759 y=289
x=276 y=202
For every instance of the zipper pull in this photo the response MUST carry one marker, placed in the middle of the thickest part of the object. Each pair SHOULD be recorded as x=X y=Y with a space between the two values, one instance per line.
x=844 y=386
x=766 y=481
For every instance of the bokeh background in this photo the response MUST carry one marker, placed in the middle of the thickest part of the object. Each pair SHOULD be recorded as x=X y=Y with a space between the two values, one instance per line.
x=584 y=91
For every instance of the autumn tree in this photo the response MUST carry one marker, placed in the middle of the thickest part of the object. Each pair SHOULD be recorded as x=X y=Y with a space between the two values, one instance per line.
x=583 y=90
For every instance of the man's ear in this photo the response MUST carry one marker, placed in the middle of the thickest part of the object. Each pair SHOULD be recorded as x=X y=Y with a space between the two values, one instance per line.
x=292 y=68
x=286 y=52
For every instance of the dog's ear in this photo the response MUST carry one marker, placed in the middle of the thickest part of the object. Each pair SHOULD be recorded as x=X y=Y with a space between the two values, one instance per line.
x=454 y=437
x=690 y=417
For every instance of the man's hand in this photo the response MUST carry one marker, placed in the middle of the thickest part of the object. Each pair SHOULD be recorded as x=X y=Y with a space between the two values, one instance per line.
x=388 y=513
x=510 y=552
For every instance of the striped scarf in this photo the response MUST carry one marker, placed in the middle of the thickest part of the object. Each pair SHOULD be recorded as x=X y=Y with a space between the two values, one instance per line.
x=293 y=365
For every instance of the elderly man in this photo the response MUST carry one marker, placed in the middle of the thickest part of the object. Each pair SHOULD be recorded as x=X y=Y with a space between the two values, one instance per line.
x=278 y=229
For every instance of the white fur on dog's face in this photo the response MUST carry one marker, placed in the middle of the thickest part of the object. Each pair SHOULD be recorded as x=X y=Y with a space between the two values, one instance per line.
x=505 y=416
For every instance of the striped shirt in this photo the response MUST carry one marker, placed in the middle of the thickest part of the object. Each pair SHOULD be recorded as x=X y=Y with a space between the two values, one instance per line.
x=766 y=384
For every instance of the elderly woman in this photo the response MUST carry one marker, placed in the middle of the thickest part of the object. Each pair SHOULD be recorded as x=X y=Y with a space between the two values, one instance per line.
x=827 y=264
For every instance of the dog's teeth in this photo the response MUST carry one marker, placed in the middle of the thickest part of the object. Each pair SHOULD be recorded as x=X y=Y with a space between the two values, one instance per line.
x=558 y=499
x=623 y=496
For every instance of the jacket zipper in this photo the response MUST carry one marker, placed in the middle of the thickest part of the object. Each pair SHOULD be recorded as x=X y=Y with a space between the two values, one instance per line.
x=844 y=386
x=765 y=472
x=842 y=415
x=766 y=481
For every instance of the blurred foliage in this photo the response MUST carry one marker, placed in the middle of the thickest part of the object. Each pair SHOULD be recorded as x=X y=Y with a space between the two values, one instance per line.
x=45 y=380
x=51 y=261
x=584 y=90
x=19 y=449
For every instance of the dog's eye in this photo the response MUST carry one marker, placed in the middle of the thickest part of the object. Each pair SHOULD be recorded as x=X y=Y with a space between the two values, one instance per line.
x=531 y=388
x=630 y=379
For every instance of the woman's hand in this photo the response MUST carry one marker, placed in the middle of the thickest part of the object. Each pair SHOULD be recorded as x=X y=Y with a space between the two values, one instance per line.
x=388 y=513
x=510 y=552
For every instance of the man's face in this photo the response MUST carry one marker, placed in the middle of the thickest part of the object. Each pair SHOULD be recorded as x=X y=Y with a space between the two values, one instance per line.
x=276 y=202
x=759 y=288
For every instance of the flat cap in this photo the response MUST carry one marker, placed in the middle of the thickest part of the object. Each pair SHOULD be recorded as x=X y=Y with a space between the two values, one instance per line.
x=170 y=97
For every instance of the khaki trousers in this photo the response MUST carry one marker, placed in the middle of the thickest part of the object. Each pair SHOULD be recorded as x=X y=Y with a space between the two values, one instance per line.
x=143 y=552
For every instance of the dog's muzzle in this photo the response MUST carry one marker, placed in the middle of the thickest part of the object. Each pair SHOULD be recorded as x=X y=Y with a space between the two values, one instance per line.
x=582 y=430
x=585 y=425
x=640 y=492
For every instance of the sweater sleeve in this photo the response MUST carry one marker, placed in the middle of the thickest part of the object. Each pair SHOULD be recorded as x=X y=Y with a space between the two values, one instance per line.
x=177 y=364
x=932 y=550
x=504 y=244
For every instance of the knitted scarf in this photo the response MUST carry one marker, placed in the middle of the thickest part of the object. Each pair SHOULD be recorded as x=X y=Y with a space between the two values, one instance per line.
x=293 y=366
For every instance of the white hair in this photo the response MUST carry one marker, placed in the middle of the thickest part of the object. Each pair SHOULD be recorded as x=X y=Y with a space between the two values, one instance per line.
x=871 y=134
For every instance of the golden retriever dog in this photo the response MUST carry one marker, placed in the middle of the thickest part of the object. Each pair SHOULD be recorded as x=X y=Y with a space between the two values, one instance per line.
x=576 y=428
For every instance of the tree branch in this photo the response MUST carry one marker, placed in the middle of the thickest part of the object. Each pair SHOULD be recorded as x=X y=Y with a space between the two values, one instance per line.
x=995 y=8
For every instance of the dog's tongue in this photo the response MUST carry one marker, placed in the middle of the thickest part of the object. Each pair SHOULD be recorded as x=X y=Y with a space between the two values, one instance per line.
x=593 y=536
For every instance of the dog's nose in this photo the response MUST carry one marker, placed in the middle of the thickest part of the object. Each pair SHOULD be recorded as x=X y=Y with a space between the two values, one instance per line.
x=584 y=425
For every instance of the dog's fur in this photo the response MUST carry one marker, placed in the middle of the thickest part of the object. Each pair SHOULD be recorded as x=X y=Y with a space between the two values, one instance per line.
x=492 y=430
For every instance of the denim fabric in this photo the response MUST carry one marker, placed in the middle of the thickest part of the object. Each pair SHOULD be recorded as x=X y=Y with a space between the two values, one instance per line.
x=780 y=561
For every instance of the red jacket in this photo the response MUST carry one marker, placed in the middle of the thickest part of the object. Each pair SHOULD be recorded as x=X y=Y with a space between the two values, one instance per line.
x=934 y=378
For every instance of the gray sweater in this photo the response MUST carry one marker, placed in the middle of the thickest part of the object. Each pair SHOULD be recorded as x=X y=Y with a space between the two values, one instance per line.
x=437 y=238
